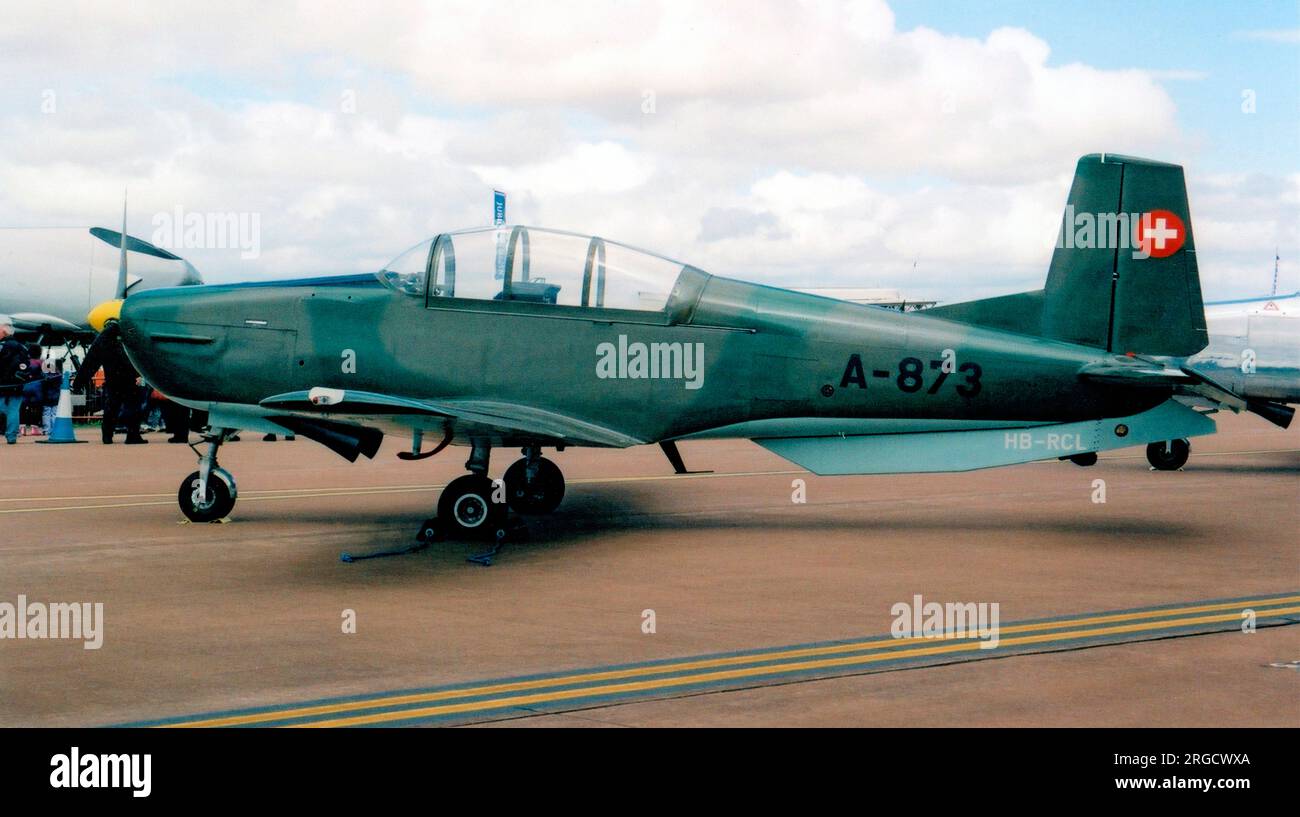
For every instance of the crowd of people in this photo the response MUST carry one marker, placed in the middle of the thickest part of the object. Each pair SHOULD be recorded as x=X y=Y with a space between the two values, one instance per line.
x=30 y=382
x=24 y=379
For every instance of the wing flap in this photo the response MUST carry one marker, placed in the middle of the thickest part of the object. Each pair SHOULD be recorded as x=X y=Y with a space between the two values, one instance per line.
x=530 y=419
x=511 y=419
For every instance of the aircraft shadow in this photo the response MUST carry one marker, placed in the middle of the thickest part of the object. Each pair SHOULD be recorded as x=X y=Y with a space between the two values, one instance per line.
x=1244 y=468
x=592 y=518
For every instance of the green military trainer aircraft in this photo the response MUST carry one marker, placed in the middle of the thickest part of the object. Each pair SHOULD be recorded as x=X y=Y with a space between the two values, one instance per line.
x=529 y=338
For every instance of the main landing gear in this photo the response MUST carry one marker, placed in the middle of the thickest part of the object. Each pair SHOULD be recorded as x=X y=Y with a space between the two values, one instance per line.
x=475 y=506
x=1169 y=455
x=209 y=493
x=534 y=484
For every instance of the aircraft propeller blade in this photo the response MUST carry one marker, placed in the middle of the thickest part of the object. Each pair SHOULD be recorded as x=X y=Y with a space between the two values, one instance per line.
x=121 y=258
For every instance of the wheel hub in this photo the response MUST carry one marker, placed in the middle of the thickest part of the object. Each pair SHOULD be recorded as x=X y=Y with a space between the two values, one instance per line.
x=200 y=501
x=470 y=510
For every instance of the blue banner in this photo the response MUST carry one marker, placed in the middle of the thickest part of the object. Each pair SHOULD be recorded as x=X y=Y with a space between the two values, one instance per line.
x=499 y=218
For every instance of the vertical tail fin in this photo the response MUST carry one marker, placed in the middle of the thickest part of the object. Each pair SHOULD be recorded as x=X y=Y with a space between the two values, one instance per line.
x=1124 y=276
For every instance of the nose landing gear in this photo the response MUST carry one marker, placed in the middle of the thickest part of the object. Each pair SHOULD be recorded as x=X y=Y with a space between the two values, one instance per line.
x=209 y=493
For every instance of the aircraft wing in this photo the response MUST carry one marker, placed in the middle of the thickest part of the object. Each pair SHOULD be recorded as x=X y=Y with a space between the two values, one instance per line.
x=36 y=321
x=470 y=415
x=938 y=451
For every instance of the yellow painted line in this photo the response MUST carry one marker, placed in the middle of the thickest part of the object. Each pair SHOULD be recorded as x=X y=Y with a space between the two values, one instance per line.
x=242 y=498
x=420 y=487
x=298 y=493
x=262 y=491
x=308 y=493
x=708 y=663
x=1210 y=454
x=305 y=493
x=750 y=672
x=675 y=477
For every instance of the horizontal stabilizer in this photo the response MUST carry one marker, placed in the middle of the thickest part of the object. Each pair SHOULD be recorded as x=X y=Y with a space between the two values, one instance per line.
x=1135 y=372
x=1278 y=414
x=969 y=450
x=1213 y=391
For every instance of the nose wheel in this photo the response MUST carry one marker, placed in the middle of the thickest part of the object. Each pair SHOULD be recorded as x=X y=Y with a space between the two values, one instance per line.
x=209 y=493
x=216 y=502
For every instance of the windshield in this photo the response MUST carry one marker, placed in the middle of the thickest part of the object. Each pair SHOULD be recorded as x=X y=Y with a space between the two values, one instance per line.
x=516 y=263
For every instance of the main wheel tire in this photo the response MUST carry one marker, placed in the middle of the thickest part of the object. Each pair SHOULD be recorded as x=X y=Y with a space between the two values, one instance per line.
x=1085 y=460
x=216 y=504
x=466 y=505
x=1169 y=455
x=540 y=495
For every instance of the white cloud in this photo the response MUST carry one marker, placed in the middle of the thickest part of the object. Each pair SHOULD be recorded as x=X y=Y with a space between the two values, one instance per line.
x=1272 y=35
x=803 y=142
x=1240 y=221
x=601 y=168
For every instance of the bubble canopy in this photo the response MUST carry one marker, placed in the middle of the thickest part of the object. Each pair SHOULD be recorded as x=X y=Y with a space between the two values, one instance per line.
x=531 y=264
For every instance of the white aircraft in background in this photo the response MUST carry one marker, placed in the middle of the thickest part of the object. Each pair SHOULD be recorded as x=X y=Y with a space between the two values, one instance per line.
x=51 y=277
x=1254 y=349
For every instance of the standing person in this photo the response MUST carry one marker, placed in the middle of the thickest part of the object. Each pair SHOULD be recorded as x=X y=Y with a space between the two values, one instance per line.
x=176 y=419
x=41 y=394
x=14 y=374
x=122 y=392
x=53 y=370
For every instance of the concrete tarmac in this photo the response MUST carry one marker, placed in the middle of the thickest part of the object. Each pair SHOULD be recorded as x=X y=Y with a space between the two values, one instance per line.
x=208 y=618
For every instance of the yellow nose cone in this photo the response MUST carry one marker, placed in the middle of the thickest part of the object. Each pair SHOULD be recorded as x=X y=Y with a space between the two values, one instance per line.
x=102 y=314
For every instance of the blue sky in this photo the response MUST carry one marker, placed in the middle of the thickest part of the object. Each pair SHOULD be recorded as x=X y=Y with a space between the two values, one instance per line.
x=1219 y=42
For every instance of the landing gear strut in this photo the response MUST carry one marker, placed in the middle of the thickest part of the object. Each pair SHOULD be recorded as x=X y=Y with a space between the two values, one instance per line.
x=209 y=493
x=1169 y=455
